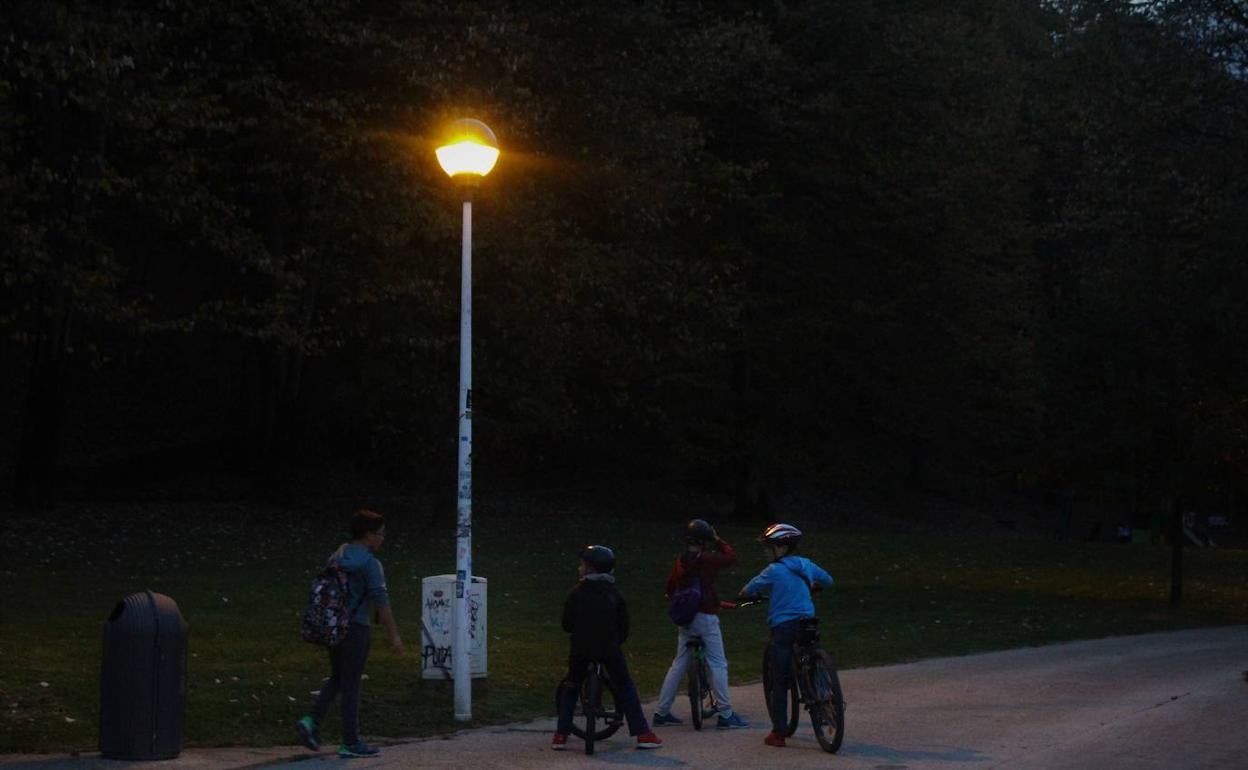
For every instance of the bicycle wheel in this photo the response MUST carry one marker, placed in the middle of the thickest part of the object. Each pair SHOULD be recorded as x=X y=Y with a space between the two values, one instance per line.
x=767 y=683
x=710 y=706
x=827 y=709
x=591 y=697
x=697 y=685
x=609 y=717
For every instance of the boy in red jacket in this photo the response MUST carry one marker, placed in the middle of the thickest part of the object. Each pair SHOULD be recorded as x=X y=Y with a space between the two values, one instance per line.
x=705 y=555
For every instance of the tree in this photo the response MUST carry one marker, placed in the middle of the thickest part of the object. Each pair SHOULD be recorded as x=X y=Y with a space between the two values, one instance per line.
x=1146 y=154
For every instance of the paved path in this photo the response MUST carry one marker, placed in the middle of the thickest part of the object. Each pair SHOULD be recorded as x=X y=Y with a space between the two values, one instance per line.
x=1169 y=700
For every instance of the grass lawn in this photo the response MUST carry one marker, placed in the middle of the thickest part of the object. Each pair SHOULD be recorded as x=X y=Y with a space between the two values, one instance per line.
x=240 y=576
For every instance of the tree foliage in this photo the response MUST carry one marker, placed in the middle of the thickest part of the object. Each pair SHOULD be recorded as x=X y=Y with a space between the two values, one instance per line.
x=869 y=244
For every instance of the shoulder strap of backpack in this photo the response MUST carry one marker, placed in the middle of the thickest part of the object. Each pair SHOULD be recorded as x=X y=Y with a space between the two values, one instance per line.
x=333 y=563
x=809 y=587
x=691 y=573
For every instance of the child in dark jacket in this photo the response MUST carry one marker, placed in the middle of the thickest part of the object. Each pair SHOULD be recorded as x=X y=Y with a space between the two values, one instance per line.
x=597 y=618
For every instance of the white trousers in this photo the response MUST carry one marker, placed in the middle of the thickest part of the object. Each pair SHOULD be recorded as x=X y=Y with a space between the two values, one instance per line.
x=707 y=627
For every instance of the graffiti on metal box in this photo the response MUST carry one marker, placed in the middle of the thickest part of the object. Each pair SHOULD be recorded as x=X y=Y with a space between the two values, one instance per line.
x=438 y=657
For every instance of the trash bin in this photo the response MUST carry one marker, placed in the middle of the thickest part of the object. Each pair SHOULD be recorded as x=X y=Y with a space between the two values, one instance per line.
x=143 y=679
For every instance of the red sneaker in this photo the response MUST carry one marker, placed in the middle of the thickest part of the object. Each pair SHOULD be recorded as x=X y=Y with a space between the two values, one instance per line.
x=558 y=742
x=774 y=739
x=649 y=741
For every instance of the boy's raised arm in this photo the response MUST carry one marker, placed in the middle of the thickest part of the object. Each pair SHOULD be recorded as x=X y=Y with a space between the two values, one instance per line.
x=821 y=575
x=726 y=557
x=759 y=585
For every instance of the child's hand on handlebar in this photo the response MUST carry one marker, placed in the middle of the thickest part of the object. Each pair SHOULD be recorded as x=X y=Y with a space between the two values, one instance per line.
x=745 y=600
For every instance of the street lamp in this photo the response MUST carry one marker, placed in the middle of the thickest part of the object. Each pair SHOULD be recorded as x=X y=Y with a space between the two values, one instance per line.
x=469 y=153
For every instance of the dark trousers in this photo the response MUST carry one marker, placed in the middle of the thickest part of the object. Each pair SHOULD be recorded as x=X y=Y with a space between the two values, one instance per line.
x=346 y=667
x=782 y=638
x=625 y=692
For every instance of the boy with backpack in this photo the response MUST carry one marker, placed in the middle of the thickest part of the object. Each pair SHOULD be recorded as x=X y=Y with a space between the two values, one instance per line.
x=597 y=618
x=694 y=607
x=338 y=618
x=789 y=581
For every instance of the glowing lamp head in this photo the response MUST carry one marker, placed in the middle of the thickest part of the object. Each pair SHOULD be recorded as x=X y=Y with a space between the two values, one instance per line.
x=471 y=150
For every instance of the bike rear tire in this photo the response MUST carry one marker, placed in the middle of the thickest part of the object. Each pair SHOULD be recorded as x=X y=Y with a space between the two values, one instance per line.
x=793 y=713
x=827 y=711
x=710 y=706
x=609 y=717
x=695 y=693
x=593 y=702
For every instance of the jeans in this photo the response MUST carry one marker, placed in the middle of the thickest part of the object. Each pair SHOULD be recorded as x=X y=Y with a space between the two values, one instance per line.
x=707 y=627
x=782 y=638
x=346 y=666
x=626 y=696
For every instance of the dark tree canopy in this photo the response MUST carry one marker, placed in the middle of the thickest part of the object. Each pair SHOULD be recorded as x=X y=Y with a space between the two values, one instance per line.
x=944 y=246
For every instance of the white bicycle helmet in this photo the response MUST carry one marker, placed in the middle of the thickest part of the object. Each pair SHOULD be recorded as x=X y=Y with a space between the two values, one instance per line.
x=781 y=534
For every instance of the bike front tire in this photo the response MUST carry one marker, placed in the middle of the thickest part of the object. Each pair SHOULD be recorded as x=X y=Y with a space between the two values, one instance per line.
x=827 y=712
x=590 y=705
x=696 y=686
x=608 y=719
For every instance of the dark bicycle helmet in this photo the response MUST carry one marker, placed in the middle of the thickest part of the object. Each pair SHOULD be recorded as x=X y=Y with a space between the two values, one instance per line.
x=600 y=557
x=698 y=531
x=781 y=534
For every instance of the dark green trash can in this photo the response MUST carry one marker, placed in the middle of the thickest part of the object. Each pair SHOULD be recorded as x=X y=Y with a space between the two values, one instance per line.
x=143 y=679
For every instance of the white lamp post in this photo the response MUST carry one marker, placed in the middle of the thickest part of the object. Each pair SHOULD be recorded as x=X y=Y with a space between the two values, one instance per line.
x=468 y=155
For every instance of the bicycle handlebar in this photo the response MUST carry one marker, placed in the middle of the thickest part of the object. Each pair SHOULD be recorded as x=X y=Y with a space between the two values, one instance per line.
x=744 y=601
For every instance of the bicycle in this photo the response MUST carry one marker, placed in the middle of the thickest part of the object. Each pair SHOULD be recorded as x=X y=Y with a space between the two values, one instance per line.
x=595 y=706
x=702 y=701
x=814 y=684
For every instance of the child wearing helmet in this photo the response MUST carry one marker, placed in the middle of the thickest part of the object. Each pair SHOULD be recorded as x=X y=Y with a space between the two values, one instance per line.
x=597 y=618
x=705 y=554
x=788 y=581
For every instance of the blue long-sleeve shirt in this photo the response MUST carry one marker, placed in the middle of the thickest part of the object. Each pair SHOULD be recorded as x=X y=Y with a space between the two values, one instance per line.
x=788 y=595
x=367 y=583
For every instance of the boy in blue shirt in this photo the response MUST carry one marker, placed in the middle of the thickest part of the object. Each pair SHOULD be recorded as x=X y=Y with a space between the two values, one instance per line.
x=788 y=581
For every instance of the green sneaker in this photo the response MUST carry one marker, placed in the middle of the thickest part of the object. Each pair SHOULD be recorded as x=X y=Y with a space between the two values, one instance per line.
x=308 y=733
x=358 y=749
